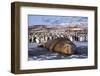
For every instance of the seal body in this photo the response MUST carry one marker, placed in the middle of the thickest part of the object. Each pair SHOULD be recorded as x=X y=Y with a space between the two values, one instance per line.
x=60 y=45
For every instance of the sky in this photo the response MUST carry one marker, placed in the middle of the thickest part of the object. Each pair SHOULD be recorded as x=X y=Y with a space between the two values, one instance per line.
x=44 y=19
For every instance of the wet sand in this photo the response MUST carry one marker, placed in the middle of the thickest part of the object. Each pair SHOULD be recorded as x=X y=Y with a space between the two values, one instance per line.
x=38 y=53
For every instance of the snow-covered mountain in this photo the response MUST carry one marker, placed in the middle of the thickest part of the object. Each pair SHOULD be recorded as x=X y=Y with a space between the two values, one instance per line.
x=63 y=26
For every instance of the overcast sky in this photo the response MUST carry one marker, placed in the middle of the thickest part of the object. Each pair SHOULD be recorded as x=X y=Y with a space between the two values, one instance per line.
x=42 y=19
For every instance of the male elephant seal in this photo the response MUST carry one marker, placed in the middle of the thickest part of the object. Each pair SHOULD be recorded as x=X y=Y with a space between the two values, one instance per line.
x=60 y=45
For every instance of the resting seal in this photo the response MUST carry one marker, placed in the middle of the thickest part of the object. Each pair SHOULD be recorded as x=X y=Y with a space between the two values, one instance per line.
x=60 y=45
